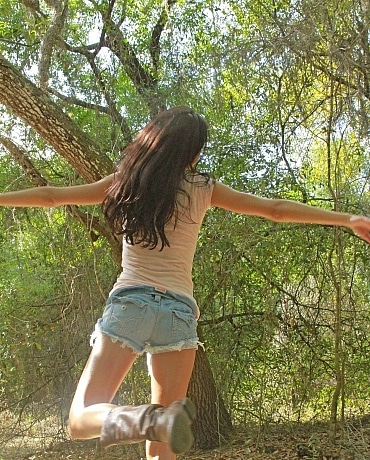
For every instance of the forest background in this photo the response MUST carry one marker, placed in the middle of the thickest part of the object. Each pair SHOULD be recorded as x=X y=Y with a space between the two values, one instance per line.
x=285 y=87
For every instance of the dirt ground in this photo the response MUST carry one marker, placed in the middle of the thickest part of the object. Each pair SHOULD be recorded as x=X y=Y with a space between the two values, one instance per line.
x=276 y=442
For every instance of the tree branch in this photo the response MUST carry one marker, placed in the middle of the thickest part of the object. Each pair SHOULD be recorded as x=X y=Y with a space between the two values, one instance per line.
x=94 y=224
x=154 y=47
x=35 y=108
x=51 y=37
x=90 y=222
x=111 y=110
x=75 y=101
x=144 y=81
x=24 y=162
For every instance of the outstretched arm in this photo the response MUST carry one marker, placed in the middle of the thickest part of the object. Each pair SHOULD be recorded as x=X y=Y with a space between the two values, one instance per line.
x=49 y=197
x=279 y=210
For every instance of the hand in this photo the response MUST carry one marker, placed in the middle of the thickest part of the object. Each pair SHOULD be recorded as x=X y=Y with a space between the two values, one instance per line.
x=361 y=226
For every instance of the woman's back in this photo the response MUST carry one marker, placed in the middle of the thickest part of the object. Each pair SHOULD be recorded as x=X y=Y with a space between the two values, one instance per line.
x=171 y=267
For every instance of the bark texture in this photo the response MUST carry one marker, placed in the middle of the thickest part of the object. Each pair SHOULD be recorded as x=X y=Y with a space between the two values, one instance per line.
x=28 y=102
x=213 y=423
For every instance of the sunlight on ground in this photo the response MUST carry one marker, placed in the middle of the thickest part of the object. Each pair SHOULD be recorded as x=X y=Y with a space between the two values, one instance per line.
x=45 y=440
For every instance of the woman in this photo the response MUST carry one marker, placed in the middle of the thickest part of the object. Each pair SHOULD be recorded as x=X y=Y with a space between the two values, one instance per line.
x=157 y=201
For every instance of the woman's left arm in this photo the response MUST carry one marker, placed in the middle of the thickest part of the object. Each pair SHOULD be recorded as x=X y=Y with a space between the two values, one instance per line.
x=280 y=210
x=49 y=196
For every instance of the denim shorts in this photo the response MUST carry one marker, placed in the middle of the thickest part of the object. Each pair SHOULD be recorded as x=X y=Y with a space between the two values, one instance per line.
x=150 y=320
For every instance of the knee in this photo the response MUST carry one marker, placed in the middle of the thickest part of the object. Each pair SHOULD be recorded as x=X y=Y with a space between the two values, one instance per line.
x=86 y=422
x=78 y=431
x=75 y=427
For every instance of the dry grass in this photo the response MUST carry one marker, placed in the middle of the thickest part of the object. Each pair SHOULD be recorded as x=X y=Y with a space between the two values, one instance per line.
x=40 y=441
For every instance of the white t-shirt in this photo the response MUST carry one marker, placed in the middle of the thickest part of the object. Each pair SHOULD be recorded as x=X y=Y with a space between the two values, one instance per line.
x=171 y=268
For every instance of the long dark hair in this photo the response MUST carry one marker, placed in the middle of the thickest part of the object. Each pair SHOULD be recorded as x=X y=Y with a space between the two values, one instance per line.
x=143 y=196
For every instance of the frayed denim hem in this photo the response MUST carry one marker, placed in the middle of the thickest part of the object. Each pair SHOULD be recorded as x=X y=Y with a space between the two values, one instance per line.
x=151 y=350
x=123 y=343
x=185 y=345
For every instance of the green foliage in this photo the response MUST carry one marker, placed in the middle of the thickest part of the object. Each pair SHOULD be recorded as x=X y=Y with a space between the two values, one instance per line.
x=284 y=88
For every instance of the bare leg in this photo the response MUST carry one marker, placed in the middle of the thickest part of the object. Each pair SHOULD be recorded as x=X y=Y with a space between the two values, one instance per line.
x=170 y=380
x=104 y=372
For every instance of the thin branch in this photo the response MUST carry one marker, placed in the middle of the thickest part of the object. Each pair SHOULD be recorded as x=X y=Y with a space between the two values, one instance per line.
x=51 y=37
x=112 y=108
x=20 y=156
x=93 y=225
x=79 y=102
x=230 y=318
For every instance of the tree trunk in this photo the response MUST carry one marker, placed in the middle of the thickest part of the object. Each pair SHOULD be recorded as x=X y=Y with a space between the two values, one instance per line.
x=213 y=423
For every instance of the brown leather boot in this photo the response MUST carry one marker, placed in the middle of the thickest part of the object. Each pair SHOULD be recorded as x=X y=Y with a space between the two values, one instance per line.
x=152 y=422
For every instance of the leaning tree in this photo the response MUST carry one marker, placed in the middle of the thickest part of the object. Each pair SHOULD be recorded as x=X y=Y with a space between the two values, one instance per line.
x=63 y=65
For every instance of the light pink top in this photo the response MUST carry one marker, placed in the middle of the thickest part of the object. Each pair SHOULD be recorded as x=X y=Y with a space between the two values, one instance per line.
x=170 y=268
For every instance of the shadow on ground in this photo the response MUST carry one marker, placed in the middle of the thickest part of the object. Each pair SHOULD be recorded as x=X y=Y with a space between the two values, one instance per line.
x=311 y=441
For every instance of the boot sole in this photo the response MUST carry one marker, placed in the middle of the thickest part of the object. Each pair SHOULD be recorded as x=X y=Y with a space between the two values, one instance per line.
x=181 y=435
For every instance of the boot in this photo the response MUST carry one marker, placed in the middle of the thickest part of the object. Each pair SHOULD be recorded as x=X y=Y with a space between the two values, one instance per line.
x=152 y=422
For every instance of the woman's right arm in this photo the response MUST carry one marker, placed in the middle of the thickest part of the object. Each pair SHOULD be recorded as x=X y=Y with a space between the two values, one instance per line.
x=48 y=196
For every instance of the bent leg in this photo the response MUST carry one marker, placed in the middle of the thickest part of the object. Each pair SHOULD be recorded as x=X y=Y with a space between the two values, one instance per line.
x=171 y=372
x=104 y=372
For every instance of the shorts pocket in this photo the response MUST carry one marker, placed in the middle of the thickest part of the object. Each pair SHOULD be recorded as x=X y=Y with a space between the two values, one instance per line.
x=184 y=325
x=126 y=313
